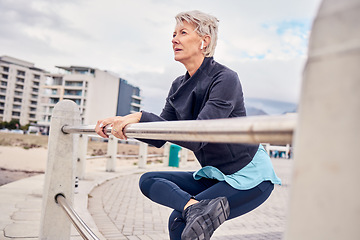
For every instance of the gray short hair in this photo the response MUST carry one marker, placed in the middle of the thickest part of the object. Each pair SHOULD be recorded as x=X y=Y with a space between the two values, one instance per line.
x=205 y=24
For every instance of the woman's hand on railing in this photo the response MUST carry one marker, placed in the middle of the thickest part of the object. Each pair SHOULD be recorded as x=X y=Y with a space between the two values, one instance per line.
x=117 y=123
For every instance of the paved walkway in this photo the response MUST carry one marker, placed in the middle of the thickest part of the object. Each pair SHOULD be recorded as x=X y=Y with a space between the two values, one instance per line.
x=120 y=211
x=113 y=207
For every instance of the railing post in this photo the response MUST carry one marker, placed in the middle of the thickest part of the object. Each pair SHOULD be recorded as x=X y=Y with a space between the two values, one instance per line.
x=143 y=149
x=183 y=155
x=287 y=152
x=111 y=152
x=81 y=159
x=166 y=153
x=325 y=196
x=59 y=175
x=267 y=148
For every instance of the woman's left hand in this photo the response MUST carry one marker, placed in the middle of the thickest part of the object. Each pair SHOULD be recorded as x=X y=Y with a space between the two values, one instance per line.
x=118 y=124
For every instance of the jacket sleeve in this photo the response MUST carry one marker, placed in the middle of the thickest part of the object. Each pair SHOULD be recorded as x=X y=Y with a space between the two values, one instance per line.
x=168 y=114
x=224 y=95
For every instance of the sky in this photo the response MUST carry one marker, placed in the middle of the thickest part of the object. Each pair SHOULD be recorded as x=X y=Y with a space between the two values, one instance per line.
x=264 y=41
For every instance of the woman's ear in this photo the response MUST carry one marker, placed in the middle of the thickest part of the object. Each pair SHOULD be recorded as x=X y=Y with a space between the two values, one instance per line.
x=206 y=41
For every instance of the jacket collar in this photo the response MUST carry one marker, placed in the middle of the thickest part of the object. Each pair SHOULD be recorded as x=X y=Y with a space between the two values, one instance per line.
x=187 y=99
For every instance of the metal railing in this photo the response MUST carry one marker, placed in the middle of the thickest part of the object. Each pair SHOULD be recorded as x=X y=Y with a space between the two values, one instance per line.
x=84 y=231
x=268 y=129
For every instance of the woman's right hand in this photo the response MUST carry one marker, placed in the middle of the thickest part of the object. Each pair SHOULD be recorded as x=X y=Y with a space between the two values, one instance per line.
x=118 y=125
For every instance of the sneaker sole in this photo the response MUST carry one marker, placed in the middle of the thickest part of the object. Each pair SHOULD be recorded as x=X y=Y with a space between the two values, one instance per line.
x=204 y=226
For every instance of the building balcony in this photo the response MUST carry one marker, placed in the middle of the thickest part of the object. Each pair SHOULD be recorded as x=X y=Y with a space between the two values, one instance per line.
x=136 y=105
x=136 y=97
x=76 y=100
x=21 y=83
x=68 y=96
x=73 y=88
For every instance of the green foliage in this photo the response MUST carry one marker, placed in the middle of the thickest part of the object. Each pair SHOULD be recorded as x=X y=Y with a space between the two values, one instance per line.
x=14 y=124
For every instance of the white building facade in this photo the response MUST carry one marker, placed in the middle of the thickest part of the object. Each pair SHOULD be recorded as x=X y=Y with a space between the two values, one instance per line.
x=94 y=90
x=20 y=83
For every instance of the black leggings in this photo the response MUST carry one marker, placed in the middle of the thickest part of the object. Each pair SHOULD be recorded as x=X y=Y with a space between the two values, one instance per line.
x=174 y=190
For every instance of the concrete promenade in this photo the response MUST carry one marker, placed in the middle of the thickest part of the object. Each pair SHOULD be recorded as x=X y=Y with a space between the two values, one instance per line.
x=114 y=208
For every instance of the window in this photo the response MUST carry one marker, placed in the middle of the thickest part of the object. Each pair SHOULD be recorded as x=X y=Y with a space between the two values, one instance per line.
x=16 y=106
x=77 y=101
x=54 y=100
x=137 y=101
x=17 y=100
x=16 y=114
x=17 y=86
x=35 y=90
x=32 y=109
x=3 y=83
x=2 y=97
x=20 y=80
x=5 y=76
x=56 y=81
x=36 y=76
x=136 y=109
x=73 y=92
x=5 y=69
x=33 y=102
x=17 y=93
x=2 y=90
x=36 y=83
x=74 y=83
x=20 y=73
x=31 y=115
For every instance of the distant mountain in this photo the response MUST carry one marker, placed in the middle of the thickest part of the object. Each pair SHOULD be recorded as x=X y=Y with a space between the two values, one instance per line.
x=251 y=111
x=258 y=106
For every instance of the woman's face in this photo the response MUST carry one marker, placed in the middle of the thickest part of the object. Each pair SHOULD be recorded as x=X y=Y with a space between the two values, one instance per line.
x=186 y=42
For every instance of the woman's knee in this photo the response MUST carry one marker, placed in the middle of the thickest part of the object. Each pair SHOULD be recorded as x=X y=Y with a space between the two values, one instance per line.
x=145 y=182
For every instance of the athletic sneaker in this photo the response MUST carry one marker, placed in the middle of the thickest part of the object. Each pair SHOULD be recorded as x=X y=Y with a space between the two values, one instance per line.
x=204 y=217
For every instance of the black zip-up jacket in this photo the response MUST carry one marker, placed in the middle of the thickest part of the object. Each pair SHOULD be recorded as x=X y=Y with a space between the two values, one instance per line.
x=213 y=92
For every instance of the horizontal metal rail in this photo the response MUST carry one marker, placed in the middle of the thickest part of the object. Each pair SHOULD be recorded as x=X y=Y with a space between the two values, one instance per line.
x=78 y=223
x=98 y=156
x=259 y=129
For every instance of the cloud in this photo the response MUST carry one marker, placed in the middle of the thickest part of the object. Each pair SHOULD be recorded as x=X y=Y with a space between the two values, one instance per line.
x=264 y=41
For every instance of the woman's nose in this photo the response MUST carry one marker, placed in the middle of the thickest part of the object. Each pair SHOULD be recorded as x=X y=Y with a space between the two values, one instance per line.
x=175 y=40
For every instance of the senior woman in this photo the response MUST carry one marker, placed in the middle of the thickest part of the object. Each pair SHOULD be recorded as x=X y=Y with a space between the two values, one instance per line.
x=234 y=178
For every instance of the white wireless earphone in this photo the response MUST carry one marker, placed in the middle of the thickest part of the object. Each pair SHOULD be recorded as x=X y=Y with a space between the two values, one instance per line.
x=202 y=45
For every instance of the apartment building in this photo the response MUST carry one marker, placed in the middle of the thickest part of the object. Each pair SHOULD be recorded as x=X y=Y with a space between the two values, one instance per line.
x=20 y=83
x=129 y=100
x=98 y=93
x=94 y=90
